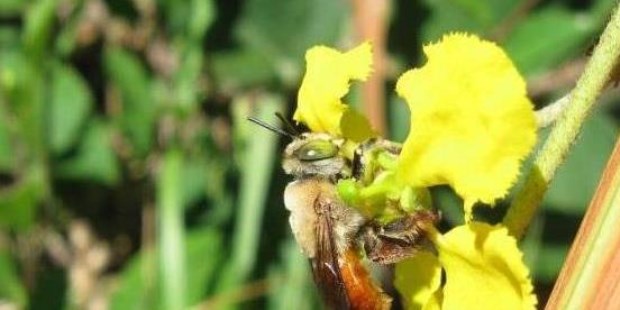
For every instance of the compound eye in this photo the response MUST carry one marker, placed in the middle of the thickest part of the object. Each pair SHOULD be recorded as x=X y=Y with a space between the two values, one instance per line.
x=316 y=150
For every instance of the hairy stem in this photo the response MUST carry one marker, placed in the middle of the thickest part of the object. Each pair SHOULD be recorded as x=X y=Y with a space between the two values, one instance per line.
x=567 y=128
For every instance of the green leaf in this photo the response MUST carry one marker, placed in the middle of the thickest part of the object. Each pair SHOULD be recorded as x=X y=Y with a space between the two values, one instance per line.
x=6 y=146
x=68 y=36
x=203 y=253
x=12 y=290
x=11 y=7
x=37 y=31
x=71 y=102
x=19 y=202
x=194 y=179
x=292 y=281
x=532 y=244
x=575 y=182
x=136 y=287
x=239 y=69
x=601 y=9
x=138 y=106
x=283 y=30
x=256 y=163
x=548 y=37
x=201 y=15
x=51 y=291
x=549 y=262
x=473 y=16
x=187 y=79
x=189 y=20
x=399 y=117
x=24 y=87
x=94 y=159
x=543 y=253
x=450 y=204
x=10 y=37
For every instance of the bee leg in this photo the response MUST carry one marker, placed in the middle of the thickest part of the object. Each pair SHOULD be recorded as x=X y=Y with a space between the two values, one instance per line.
x=399 y=239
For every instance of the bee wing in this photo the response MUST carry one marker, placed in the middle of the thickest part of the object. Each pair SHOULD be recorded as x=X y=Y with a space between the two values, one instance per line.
x=338 y=271
x=325 y=266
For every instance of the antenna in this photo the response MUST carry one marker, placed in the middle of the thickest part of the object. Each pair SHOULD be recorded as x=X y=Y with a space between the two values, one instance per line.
x=270 y=127
x=290 y=128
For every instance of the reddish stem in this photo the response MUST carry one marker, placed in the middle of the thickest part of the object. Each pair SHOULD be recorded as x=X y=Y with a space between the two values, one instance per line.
x=370 y=18
x=590 y=275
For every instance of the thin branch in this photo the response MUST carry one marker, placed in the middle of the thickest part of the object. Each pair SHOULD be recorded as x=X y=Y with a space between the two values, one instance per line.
x=547 y=115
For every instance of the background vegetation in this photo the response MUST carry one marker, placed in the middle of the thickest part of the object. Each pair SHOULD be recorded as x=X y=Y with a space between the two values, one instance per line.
x=130 y=178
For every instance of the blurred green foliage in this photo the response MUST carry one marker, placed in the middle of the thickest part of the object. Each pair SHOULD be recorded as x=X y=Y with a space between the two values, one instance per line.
x=130 y=116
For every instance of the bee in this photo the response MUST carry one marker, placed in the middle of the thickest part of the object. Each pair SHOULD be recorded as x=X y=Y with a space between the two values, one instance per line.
x=324 y=227
x=332 y=234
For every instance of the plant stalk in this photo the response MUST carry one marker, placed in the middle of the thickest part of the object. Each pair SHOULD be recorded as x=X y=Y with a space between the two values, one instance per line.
x=171 y=258
x=590 y=278
x=553 y=153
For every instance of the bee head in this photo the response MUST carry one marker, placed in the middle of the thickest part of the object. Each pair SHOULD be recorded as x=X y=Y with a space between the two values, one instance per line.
x=314 y=154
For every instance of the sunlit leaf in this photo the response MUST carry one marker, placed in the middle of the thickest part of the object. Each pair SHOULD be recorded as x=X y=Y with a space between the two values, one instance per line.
x=548 y=37
x=71 y=103
x=38 y=26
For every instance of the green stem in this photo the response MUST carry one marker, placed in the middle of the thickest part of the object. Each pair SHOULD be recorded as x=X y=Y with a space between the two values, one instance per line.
x=554 y=151
x=171 y=232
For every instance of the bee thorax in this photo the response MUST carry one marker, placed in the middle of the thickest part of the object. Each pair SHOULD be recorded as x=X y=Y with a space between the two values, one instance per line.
x=309 y=198
x=327 y=167
x=298 y=199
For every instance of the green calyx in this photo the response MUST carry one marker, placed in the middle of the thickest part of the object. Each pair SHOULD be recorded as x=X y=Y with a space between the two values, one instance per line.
x=384 y=199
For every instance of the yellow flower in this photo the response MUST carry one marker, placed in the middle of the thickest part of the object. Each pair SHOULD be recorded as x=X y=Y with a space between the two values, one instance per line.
x=418 y=280
x=471 y=122
x=483 y=269
x=471 y=127
x=327 y=78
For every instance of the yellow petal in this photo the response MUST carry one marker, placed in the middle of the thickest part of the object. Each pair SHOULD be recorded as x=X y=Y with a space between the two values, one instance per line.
x=417 y=280
x=327 y=78
x=484 y=269
x=471 y=121
x=434 y=303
